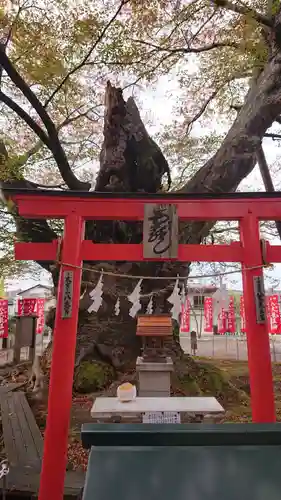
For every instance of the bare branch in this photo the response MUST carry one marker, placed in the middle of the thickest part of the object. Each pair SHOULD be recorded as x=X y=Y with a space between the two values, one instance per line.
x=25 y=157
x=25 y=89
x=204 y=106
x=113 y=63
x=264 y=170
x=71 y=119
x=245 y=10
x=190 y=50
x=266 y=177
x=8 y=38
x=274 y=137
x=85 y=59
x=68 y=119
x=227 y=228
x=150 y=70
x=25 y=116
x=53 y=141
x=201 y=27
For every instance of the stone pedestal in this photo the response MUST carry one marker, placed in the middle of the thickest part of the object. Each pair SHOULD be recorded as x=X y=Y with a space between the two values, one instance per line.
x=154 y=379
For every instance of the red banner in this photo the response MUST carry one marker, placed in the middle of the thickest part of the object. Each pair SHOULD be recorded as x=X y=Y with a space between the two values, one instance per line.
x=242 y=314
x=185 y=317
x=4 y=319
x=208 y=314
x=222 y=322
x=231 y=327
x=41 y=315
x=27 y=306
x=273 y=314
x=267 y=307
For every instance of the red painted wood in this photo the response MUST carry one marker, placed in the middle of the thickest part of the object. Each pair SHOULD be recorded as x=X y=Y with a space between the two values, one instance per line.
x=133 y=209
x=186 y=253
x=110 y=252
x=259 y=358
x=88 y=208
x=61 y=378
x=36 y=251
x=273 y=253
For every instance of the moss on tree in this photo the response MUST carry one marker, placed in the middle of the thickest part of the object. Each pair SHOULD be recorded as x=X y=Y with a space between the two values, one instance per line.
x=91 y=377
x=195 y=378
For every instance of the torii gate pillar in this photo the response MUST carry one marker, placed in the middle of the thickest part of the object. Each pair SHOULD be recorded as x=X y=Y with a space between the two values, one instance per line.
x=259 y=358
x=63 y=361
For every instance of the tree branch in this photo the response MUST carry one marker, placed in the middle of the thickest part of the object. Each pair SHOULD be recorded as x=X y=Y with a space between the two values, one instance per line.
x=53 y=141
x=198 y=31
x=71 y=119
x=266 y=177
x=204 y=106
x=274 y=137
x=25 y=89
x=25 y=157
x=264 y=170
x=25 y=116
x=189 y=50
x=8 y=38
x=85 y=59
x=245 y=10
x=237 y=108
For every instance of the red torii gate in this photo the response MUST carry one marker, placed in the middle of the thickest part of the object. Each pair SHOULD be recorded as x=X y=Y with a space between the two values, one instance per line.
x=75 y=208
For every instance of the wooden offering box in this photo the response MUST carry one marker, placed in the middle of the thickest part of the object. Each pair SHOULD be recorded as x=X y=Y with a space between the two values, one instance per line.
x=156 y=331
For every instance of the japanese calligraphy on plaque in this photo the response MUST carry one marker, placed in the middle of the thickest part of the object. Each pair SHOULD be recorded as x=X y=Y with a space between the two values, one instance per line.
x=67 y=294
x=259 y=299
x=160 y=231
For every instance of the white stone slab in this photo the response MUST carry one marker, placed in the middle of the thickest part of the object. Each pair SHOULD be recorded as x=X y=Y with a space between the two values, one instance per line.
x=106 y=407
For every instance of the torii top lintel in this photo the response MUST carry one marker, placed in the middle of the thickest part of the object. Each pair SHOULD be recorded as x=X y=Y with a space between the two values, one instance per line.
x=130 y=206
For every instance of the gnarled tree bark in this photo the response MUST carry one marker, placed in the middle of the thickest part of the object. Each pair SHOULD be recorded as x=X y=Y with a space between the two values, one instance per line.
x=144 y=162
x=131 y=161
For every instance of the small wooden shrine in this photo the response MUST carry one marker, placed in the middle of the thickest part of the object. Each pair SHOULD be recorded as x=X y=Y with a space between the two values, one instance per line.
x=156 y=331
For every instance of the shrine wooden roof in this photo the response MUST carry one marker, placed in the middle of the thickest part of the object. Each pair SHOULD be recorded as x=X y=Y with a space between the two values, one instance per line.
x=154 y=325
x=10 y=191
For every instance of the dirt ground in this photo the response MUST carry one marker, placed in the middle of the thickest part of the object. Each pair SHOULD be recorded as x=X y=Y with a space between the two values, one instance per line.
x=239 y=375
x=239 y=412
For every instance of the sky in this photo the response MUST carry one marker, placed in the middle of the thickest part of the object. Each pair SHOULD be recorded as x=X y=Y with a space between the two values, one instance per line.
x=157 y=108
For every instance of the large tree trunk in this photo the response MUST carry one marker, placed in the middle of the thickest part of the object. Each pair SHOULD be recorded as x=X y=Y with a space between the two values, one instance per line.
x=130 y=161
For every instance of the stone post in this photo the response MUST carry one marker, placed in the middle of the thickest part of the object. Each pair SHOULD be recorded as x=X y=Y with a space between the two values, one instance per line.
x=154 y=379
x=25 y=336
